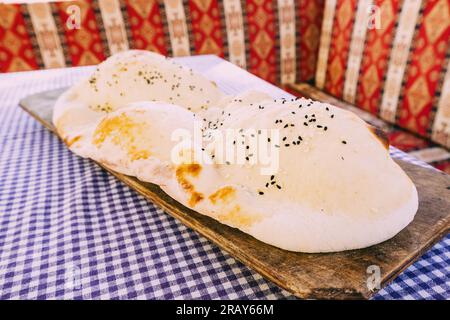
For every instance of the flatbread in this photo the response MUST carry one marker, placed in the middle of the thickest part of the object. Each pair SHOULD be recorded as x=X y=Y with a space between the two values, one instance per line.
x=306 y=176
x=127 y=77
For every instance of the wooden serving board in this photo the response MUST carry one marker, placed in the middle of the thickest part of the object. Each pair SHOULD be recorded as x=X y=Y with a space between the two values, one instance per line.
x=331 y=275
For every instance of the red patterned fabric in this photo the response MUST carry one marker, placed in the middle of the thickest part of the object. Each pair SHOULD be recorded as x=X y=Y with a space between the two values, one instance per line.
x=427 y=62
x=337 y=59
x=406 y=141
x=262 y=29
x=16 y=51
x=415 y=65
x=310 y=14
x=443 y=166
x=84 y=44
x=376 y=57
x=146 y=25
x=206 y=27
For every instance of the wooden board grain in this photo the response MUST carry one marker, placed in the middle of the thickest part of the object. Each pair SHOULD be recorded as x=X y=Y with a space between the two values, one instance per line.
x=331 y=275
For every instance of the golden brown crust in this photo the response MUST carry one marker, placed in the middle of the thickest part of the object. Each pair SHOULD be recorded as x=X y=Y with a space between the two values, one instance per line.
x=380 y=135
x=192 y=170
x=237 y=218
x=223 y=194
x=122 y=131
x=70 y=142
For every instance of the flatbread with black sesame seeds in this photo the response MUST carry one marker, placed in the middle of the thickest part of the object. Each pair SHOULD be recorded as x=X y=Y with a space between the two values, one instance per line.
x=306 y=176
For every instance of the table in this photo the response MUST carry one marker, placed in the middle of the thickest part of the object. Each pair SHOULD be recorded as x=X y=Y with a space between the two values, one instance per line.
x=69 y=230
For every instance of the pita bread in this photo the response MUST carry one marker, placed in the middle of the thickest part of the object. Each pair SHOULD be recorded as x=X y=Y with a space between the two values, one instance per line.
x=331 y=186
x=127 y=77
x=336 y=187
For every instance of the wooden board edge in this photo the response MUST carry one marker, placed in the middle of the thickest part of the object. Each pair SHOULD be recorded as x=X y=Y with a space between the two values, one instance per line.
x=439 y=235
x=38 y=119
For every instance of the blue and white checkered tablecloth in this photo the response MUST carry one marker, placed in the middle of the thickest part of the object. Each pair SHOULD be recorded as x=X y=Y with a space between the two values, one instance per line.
x=70 y=230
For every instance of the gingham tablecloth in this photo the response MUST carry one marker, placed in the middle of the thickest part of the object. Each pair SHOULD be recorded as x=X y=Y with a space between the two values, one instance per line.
x=69 y=230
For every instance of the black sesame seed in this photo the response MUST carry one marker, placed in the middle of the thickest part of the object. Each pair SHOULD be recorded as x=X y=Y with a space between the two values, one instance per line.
x=344 y=142
x=261 y=193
